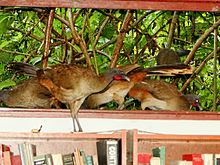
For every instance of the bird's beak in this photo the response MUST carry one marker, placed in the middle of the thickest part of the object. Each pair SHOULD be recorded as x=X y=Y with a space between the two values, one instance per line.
x=127 y=78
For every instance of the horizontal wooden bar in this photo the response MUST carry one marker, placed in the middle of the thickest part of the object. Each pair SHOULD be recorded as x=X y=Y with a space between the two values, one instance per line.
x=204 y=138
x=179 y=5
x=41 y=136
x=140 y=135
x=109 y=114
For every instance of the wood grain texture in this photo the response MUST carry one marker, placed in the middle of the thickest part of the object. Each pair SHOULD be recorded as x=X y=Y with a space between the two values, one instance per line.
x=181 y=5
x=110 y=114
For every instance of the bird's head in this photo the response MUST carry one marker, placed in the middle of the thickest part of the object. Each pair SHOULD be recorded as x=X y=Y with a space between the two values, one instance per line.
x=194 y=101
x=116 y=74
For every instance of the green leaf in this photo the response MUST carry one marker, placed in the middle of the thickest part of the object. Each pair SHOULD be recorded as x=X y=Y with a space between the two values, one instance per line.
x=6 y=84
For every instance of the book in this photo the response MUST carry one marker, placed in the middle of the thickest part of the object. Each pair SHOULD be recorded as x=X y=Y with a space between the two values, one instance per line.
x=208 y=159
x=144 y=158
x=89 y=160
x=216 y=159
x=95 y=159
x=43 y=159
x=68 y=159
x=83 y=154
x=39 y=160
x=7 y=157
x=57 y=159
x=161 y=153
x=31 y=152
x=27 y=152
x=49 y=160
x=195 y=158
x=77 y=156
x=155 y=161
x=16 y=160
x=3 y=148
x=108 y=152
x=181 y=162
x=23 y=153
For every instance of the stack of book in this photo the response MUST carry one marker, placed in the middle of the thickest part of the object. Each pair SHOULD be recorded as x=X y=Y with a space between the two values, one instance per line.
x=198 y=159
x=158 y=157
x=78 y=157
x=28 y=156
x=7 y=157
x=108 y=153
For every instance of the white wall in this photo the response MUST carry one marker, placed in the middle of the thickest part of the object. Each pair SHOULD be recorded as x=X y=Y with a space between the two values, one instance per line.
x=206 y=127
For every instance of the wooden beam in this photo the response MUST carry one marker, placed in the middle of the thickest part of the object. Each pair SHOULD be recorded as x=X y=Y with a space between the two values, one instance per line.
x=109 y=114
x=179 y=5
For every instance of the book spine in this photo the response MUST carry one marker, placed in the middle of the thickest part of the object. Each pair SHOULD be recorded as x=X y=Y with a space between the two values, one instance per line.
x=68 y=159
x=3 y=148
x=39 y=160
x=89 y=160
x=23 y=153
x=112 y=153
x=7 y=158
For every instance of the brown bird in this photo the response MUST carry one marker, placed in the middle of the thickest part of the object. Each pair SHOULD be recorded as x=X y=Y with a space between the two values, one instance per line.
x=120 y=89
x=116 y=92
x=157 y=94
x=167 y=56
x=28 y=94
x=71 y=84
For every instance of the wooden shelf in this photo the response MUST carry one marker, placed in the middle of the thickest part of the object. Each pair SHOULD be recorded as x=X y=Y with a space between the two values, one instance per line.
x=63 y=143
x=176 y=145
x=182 y=5
x=110 y=114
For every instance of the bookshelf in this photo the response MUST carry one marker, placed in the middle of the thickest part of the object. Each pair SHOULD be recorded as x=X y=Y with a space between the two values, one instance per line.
x=176 y=145
x=138 y=141
x=63 y=143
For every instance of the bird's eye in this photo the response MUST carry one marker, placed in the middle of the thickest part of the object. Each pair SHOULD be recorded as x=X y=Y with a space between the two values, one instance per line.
x=121 y=72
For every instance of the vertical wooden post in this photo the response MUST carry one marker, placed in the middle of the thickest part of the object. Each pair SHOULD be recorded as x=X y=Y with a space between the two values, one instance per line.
x=215 y=66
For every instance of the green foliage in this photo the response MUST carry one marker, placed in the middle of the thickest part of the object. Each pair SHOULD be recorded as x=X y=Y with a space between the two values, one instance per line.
x=7 y=83
x=22 y=35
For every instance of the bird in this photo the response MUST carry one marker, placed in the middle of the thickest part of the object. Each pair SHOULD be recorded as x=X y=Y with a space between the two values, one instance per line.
x=28 y=94
x=160 y=95
x=167 y=56
x=71 y=84
x=118 y=90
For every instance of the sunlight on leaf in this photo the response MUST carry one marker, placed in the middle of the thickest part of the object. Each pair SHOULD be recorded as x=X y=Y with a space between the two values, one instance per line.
x=6 y=84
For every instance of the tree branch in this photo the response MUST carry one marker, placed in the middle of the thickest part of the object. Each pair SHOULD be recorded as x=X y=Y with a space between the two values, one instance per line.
x=121 y=36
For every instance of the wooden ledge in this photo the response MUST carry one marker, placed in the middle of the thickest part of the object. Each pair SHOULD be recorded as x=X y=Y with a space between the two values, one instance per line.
x=181 y=5
x=141 y=135
x=24 y=135
x=109 y=114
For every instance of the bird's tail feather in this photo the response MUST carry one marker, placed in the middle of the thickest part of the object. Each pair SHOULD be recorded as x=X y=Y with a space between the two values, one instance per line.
x=23 y=68
x=169 y=70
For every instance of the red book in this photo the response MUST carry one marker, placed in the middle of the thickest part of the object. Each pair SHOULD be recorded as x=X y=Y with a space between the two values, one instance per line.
x=7 y=158
x=16 y=160
x=3 y=148
x=144 y=158
x=195 y=158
